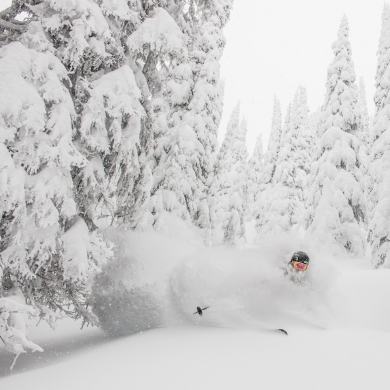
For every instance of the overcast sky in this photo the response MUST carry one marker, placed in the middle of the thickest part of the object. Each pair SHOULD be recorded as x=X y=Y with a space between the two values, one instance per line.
x=273 y=46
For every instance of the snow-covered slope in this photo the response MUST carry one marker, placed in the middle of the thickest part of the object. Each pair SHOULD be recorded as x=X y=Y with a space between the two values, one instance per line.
x=349 y=349
x=211 y=358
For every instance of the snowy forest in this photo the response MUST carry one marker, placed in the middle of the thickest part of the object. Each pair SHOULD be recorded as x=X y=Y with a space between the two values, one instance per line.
x=110 y=112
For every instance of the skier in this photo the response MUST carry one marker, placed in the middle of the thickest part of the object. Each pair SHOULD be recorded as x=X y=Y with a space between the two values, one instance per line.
x=299 y=261
x=296 y=268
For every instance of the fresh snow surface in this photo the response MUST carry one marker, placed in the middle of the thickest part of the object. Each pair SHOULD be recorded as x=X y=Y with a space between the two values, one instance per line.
x=338 y=326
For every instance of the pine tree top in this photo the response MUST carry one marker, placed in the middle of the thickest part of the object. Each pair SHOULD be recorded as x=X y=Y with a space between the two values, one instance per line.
x=276 y=119
x=342 y=50
x=340 y=106
x=381 y=77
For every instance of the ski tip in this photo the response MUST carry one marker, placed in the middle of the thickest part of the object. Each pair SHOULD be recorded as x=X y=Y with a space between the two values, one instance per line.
x=283 y=331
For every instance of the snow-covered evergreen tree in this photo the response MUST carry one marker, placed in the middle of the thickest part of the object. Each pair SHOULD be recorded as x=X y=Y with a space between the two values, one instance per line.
x=46 y=247
x=194 y=93
x=229 y=187
x=270 y=160
x=272 y=153
x=379 y=167
x=287 y=125
x=304 y=139
x=336 y=203
x=109 y=130
x=88 y=38
x=107 y=156
x=205 y=109
x=234 y=223
x=365 y=126
x=364 y=134
x=283 y=200
x=314 y=123
x=255 y=174
x=99 y=128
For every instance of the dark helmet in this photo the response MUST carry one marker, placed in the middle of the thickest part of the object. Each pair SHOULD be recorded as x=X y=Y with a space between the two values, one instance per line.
x=301 y=257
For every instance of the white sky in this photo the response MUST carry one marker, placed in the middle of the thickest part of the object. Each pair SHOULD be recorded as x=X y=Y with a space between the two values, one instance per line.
x=4 y=4
x=275 y=45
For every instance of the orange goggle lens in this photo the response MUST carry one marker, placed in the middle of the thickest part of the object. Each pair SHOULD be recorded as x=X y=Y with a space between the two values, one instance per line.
x=299 y=266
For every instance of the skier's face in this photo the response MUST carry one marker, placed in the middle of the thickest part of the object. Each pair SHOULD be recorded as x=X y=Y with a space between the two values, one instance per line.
x=299 y=266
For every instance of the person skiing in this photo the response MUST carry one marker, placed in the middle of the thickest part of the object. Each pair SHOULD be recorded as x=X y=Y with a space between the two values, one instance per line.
x=299 y=261
x=296 y=268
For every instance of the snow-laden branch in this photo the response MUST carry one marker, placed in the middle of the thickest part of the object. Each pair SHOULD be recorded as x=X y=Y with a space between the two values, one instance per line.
x=14 y=328
x=12 y=26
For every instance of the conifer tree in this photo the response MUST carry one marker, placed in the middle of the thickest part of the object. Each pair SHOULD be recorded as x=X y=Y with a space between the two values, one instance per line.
x=255 y=174
x=205 y=110
x=45 y=246
x=234 y=224
x=379 y=167
x=271 y=155
x=314 y=123
x=337 y=207
x=287 y=125
x=364 y=136
x=166 y=140
x=261 y=210
x=229 y=186
x=283 y=199
x=89 y=39
x=303 y=138
x=194 y=93
x=96 y=126
x=84 y=138
x=365 y=126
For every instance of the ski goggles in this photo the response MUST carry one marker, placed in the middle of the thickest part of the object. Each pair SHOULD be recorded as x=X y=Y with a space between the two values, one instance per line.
x=299 y=266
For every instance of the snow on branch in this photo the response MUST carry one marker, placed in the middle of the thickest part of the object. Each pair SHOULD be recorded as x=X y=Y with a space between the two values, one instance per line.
x=12 y=26
x=160 y=33
x=13 y=328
